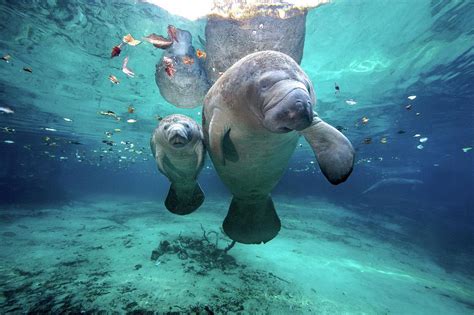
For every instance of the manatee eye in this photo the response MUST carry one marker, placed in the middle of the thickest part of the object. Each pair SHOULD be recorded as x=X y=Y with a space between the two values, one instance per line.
x=265 y=84
x=186 y=125
x=165 y=127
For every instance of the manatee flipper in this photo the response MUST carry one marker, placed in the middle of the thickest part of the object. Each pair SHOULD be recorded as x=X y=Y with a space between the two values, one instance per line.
x=333 y=150
x=159 y=158
x=252 y=221
x=217 y=130
x=184 y=200
x=200 y=156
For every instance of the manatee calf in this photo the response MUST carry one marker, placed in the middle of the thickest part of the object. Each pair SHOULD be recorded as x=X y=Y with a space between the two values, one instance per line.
x=187 y=84
x=177 y=145
x=252 y=118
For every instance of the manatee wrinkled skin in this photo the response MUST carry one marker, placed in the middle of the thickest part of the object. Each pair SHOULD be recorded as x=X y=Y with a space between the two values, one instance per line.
x=253 y=117
x=178 y=149
x=189 y=84
x=229 y=40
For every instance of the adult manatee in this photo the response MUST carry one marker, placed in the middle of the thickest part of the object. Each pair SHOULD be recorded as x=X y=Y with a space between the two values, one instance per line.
x=177 y=146
x=252 y=118
x=249 y=28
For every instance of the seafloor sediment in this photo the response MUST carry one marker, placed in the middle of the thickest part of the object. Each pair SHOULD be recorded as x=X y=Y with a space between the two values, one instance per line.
x=105 y=255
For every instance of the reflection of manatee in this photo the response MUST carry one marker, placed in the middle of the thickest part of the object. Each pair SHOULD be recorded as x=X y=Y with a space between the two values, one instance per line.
x=228 y=40
x=188 y=86
x=251 y=116
x=178 y=149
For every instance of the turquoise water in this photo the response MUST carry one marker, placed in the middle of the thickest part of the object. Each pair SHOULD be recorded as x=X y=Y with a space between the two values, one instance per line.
x=81 y=218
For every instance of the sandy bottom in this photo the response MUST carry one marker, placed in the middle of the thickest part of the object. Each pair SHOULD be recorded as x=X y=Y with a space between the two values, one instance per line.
x=94 y=256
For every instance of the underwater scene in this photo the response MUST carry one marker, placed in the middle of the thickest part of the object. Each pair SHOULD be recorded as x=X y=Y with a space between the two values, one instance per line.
x=236 y=157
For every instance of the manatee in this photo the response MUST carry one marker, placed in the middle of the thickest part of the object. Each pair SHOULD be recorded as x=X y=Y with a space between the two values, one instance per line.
x=187 y=87
x=178 y=149
x=252 y=119
x=229 y=39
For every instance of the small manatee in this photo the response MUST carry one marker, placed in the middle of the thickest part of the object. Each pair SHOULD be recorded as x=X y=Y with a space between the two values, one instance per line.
x=178 y=149
x=187 y=84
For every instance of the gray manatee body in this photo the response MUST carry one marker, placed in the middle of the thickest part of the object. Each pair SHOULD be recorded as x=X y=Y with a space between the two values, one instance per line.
x=228 y=40
x=189 y=84
x=392 y=181
x=252 y=119
x=178 y=149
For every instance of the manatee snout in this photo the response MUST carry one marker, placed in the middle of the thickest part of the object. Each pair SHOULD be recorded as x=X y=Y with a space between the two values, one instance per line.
x=178 y=136
x=293 y=112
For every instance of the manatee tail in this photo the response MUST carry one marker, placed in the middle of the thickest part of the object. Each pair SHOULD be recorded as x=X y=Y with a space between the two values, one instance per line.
x=184 y=200
x=252 y=221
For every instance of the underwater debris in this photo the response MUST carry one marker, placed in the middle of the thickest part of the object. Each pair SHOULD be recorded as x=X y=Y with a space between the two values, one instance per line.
x=6 y=110
x=109 y=113
x=411 y=97
x=49 y=129
x=418 y=114
x=365 y=120
x=351 y=102
x=340 y=128
x=131 y=121
x=336 y=88
x=116 y=50
x=198 y=257
x=169 y=66
x=400 y=132
x=6 y=58
x=67 y=119
x=201 y=255
x=9 y=141
x=74 y=142
x=117 y=130
x=108 y=142
x=466 y=149
x=128 y=39
x=367 y=140
x=28 y=69
x=424 y=139
x=201 y=54
x=158 y=41
x=408 y=107
x=420 y=147
x=131 y=109
x=8 y=129
x=127 y=70
x=187 y=60
x=113 y=79
x=417 y=135
x=383 y=140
